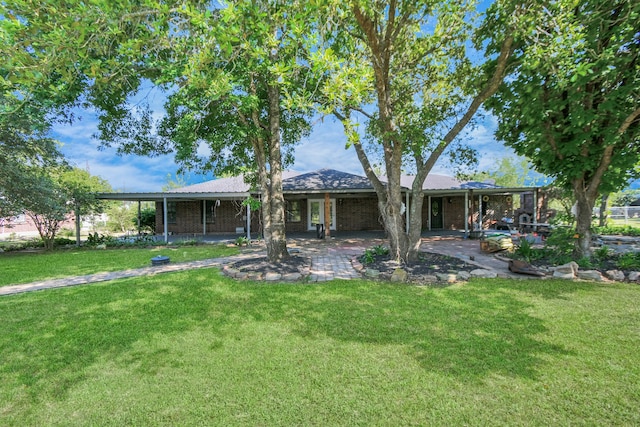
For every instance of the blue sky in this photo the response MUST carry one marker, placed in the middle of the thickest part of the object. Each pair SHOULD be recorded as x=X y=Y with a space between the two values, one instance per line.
x=324 y=148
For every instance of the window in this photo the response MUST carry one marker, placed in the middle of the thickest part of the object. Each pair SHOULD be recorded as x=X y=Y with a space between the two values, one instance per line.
x=171 y=213
x=210 y=208
x=293 y=211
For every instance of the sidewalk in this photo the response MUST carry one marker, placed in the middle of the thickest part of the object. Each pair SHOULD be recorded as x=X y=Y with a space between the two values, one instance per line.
x=330 y=259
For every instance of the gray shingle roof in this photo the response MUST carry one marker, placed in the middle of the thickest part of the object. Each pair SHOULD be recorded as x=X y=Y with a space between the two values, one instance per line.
x=234 y=184
x=326 y=180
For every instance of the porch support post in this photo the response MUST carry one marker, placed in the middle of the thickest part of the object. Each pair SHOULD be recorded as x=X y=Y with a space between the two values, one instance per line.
x=466 y=214
x=248 y=221
x=429 y=212
x=139 y=216
x=406 y=210
x=165 y=217
x=204 y=217
x=479 y=211
x=327 y=215
x=535 y=205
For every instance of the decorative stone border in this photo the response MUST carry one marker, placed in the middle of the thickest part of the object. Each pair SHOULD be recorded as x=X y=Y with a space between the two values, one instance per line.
x=400 y=276
x=268 y=276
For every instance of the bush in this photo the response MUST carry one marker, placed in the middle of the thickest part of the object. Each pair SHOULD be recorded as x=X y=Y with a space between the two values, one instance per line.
x=620 y=230
x=370 y=254
x=147 y=220
x=629 y=261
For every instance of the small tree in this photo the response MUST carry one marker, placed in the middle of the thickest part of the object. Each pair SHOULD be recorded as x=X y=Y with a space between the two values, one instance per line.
x=46 y=203
x=80 y=188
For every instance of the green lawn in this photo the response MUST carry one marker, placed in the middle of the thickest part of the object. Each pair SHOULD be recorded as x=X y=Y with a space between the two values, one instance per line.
x=195 y=348
x=25 y=267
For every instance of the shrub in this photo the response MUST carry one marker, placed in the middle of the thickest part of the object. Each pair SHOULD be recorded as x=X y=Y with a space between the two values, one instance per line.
x=629 y=261
x=242 y=241
x=370 y=254
x=623 y=230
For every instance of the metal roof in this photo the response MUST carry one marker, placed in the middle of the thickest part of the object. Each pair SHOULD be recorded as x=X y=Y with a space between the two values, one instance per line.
x=320 y=181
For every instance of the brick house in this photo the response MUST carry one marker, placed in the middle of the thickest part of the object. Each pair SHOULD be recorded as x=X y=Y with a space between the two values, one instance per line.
x=215 y=207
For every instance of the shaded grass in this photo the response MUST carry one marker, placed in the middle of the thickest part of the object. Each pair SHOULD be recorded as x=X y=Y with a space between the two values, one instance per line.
x=25 y=267
x=195 y=348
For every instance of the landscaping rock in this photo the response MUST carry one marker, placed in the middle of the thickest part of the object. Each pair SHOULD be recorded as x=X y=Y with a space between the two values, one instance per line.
x=463 y=276
x=292 y=277
x=271 y=276
x=399 y=275
x=370 y=272
x=616 y=275
x=523 y=267
x=634 y=276
x=567 y=271
x=593 y=275
x=485 y=274
x=429 y=278
x=446 y=277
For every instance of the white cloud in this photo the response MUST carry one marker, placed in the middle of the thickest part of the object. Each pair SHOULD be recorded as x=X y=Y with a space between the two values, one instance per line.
x=324 y=148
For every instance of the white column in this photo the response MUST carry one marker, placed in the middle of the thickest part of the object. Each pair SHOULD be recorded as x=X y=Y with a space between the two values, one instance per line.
x=479 y=212
x=204 y=217
x=429 y=212
x=406 y=210
x=248 y=221
x=166 y=222
x=466 y=214
x=535 y=206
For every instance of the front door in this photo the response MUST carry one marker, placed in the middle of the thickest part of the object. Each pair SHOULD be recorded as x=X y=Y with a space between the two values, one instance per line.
x=316 y=213
x=436 y=213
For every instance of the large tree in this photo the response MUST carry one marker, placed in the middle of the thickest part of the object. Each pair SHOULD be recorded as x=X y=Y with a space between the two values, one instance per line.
x=572 y=104
x=404 y=68
x=25 y=146
x=233 y=72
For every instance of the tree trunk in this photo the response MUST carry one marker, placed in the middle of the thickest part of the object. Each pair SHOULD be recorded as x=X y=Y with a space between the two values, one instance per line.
x=603 y=210
x=277 y=243
x=77 y=215
x=585 y=204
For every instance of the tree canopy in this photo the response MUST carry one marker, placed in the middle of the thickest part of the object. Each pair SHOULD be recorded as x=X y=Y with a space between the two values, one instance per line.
x=405 y=70
x=571 y=104
x=234 y=75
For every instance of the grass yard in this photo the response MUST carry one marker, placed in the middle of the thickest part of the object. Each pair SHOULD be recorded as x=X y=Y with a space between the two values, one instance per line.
x=25 y=267
x=196 y=348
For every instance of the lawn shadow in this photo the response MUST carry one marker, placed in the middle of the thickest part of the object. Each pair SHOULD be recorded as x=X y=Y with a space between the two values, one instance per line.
x=468 y=332
x=60 y=332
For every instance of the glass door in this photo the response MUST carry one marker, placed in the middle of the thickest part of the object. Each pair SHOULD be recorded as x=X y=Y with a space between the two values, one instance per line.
x=316 y=213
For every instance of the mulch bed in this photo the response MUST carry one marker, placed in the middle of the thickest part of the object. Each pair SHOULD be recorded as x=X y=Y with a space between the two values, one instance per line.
x=261 y=265
x=423 y=271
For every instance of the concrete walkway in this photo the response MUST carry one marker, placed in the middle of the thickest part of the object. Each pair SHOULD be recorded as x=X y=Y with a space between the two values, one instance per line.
x=330 y=259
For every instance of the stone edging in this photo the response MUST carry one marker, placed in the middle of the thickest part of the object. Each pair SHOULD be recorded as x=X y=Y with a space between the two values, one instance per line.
x=571 y=271
x=268 y=276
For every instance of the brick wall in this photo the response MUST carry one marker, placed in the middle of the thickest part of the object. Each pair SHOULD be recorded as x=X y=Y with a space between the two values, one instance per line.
x=358 y=214
x=353 y=214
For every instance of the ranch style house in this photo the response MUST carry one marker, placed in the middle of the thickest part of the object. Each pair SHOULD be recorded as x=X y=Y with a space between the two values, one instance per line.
x=216 y=206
